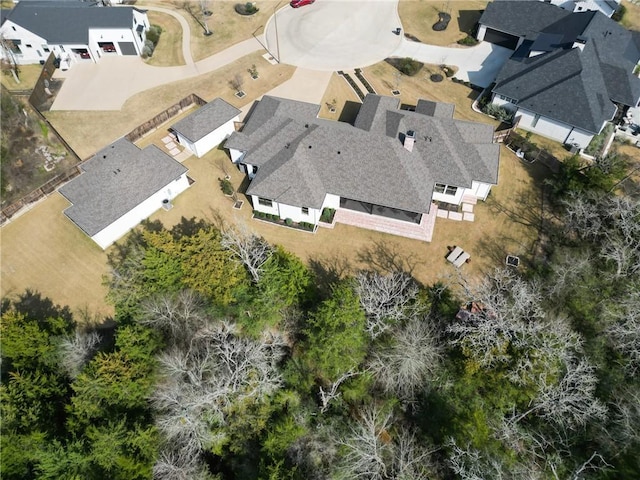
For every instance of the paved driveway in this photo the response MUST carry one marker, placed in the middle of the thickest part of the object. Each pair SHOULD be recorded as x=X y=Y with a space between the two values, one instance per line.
x=334 y=35
x=478 y=65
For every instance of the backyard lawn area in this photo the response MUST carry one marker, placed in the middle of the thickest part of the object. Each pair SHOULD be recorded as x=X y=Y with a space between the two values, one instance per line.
x=79 y=127
x=418 y=16
x=28 y=76
x=44 y=251
x=505 y=224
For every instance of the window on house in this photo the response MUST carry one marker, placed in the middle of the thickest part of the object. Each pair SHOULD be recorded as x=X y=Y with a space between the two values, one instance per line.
x=535 y=120
x=508 y=99
x=61 y=48
x=305 y=210
x=445 y=189
x=45 y=48
x=28 y=45
x=39 y=53
x=14 y=28
x=265 y=202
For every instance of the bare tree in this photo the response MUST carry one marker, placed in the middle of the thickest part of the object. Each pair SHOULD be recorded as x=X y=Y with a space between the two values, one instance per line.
x=626 y=417
x=175 y=464
x=413 y=357
x=571 y=402
x=411 y=459
x=327 y=396
x=76 y=351
x=8 y=56
x=203 y=378
x=385 y=298
x=624 y=333
x=178 y=316
x=247 y=247
x=368 y=448
x=237 y=82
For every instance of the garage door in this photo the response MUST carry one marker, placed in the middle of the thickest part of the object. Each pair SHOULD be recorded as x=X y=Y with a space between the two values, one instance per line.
x=127 y=48
x=501 y=38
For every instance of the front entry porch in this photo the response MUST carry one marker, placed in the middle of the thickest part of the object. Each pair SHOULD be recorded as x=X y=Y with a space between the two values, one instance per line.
x=418 y=231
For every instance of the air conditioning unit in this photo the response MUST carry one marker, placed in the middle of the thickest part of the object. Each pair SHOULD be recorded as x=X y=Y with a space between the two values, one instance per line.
x=166 y=204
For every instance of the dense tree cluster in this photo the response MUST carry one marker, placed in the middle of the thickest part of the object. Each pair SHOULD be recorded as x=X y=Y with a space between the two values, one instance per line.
x=229 y=358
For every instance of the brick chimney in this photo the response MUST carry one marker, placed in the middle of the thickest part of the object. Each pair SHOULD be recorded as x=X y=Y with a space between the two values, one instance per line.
x=409 y=140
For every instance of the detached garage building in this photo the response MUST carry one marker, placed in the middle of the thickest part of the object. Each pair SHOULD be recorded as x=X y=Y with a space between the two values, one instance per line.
x=121 y=186
x=207 y=127
x=73 y=31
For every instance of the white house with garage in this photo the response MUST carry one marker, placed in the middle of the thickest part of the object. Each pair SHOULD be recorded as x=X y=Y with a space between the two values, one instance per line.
x=570 y=73
x=391 y=171
x=121 y=186
x=73 y=31
x=207 y=127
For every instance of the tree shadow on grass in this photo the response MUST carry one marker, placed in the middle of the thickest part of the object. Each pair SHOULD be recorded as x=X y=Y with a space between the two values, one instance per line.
x=386 y=257
x=328 y=271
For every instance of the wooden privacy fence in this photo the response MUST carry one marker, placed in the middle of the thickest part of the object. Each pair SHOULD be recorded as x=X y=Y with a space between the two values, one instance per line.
x=42 y=192
x=176 y=109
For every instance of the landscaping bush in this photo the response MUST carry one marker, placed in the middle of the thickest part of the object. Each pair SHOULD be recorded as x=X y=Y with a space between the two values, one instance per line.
x=353 y=84
x=226 y=186
x=409 y=66
x=498 y=112
x=469 y=41
x=366 y=84
x=148 y=49
x=619 y=14
x=288 y=222
x=327 y=215
x=248 y=8
x=448 y=71
x=153 y=34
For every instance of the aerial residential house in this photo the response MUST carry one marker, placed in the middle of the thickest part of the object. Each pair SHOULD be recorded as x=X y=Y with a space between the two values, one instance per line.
x=121 y=186
x=73 y=31
x=207 y=127
x=570 y=73
x=391 y=171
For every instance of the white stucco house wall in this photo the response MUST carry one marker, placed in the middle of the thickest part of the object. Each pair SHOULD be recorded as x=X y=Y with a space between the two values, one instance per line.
x=391 y=165
x=73 y=31
x=571 y=70
x=207 y=127
x=121 y=186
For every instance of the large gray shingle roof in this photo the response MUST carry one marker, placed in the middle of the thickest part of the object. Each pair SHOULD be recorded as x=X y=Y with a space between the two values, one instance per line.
x=68 y=22
x=567 y=84
x=117 y=179
x=301 y=160
x=206 y=119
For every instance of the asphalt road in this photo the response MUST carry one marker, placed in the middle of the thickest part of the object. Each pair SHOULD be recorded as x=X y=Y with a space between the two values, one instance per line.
x=332 y=35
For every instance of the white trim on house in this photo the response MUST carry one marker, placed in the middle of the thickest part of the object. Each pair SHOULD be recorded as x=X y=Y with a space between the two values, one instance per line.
x=112 y=233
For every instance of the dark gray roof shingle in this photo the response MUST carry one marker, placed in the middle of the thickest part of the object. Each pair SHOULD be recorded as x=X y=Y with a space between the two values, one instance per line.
x=206 y=119
x=301 y=160
x=117 y=179
x=569 y=84
x=68 y=22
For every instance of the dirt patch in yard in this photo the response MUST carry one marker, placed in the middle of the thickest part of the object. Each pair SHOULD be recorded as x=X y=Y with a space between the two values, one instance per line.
x=79 y=127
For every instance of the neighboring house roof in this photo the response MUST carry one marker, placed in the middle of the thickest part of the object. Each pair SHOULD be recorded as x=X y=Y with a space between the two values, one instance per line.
x=115 y=181
x=63 y=22
x=302 y=158
x=206 y=119
x=567 y=83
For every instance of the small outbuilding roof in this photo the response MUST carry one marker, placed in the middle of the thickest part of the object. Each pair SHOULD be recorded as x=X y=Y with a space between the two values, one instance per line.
x=206 y=119
x=115 y=181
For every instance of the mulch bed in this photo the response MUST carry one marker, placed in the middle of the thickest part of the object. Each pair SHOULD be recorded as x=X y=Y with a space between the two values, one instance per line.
x=442 y=23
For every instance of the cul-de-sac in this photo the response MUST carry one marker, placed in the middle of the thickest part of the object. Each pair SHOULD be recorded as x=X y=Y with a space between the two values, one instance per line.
x=320 y=239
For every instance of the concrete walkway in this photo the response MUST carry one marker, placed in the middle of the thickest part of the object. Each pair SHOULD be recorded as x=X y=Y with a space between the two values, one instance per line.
x=478 y=65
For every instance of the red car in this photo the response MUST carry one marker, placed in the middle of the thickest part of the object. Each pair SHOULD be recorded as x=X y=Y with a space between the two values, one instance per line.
x=301 y=3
